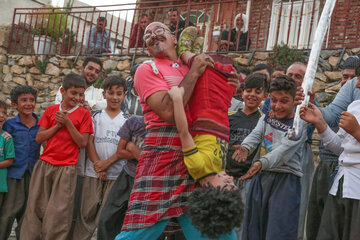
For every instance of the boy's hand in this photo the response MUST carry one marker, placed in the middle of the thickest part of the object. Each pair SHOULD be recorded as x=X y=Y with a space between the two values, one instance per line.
x=102 y=175
x=313 y=115
x=131 y=147
x=101 y=166
x=62 y=117
x=256 y=167
x=349 y=123
x=240 y=154
x=310 y=114
x=300 y=96
x=85 y=105
x=200 y=63
x=59 y=117
x=95 y=164
x=234 y=80
x=176 y=93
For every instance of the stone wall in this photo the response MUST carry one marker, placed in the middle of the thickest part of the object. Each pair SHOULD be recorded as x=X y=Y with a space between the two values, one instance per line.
x=328 y=75
x=20 y=69
x=17 y=70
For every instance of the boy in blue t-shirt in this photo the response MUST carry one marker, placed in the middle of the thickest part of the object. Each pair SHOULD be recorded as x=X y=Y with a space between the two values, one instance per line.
x=23 y=128
x=6 y=151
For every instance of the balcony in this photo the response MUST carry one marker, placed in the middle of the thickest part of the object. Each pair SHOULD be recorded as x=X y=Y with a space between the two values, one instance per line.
x=65 y=31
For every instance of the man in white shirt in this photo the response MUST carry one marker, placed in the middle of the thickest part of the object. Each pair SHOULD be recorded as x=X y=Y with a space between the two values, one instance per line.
x=94 y=99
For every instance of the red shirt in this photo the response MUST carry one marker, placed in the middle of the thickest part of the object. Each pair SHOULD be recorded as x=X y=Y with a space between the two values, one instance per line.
x=147 y=83
x=138 y=33
x=61 y=148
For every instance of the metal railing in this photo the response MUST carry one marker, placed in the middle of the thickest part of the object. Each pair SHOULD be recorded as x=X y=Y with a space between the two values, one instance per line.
x=66 y=31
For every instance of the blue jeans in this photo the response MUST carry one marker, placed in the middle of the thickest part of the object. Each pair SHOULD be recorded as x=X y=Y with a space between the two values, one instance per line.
x=155 y=231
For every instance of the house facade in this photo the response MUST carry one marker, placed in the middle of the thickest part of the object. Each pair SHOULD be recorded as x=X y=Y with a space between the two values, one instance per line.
x=270 y=21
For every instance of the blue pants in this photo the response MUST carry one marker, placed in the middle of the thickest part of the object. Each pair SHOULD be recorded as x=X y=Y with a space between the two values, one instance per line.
x=155 y=231
x=272 y=207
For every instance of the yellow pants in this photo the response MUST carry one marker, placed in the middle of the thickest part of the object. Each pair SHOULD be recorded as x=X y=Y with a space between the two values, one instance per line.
x=205 y=158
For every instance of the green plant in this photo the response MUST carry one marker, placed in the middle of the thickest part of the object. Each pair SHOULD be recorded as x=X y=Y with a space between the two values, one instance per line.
x=70 y=63
x=57 y=24
x=39 y=31
x=41 y=64
x=53 y=22
x=102 y=76
x=99 y=80
x=284 y=55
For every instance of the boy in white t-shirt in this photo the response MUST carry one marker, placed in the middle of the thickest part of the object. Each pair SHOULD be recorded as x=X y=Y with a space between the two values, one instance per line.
x=102 y=164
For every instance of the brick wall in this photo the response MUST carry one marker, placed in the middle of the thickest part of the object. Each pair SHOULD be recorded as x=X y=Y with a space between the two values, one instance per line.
x=260 y=12
x=345 y=28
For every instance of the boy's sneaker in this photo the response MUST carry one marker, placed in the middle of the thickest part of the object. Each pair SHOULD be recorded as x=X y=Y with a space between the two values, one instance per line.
x=198 y=45
x=186 y=40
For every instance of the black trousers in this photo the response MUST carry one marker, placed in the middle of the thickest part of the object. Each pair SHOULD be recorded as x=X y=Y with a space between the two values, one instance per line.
x=318 y=195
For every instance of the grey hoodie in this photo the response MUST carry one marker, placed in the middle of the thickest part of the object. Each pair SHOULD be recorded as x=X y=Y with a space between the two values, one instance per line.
x=347 y=94
x=276 y=152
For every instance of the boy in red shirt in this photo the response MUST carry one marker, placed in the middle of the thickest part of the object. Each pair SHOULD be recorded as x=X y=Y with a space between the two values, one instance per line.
x=64 y=128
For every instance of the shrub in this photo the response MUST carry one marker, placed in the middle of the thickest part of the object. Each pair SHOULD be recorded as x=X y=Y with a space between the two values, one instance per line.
x=284 y=55
x=52 y=22
x=41 y=64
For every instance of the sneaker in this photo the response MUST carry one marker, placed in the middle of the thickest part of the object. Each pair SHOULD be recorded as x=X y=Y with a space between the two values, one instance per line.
x=198 y=45
x=186 y=40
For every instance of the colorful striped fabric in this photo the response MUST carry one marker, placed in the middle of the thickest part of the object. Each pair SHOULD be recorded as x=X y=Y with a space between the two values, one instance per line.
x=162 y=183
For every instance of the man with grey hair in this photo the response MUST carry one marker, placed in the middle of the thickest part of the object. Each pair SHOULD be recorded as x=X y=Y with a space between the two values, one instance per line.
x=297 y=72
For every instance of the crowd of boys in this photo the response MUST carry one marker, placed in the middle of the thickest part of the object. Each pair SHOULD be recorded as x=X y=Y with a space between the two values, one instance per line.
x=133 y=177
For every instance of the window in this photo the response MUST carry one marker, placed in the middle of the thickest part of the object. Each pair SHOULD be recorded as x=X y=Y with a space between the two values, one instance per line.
x=293 y=31
x=196 y=16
